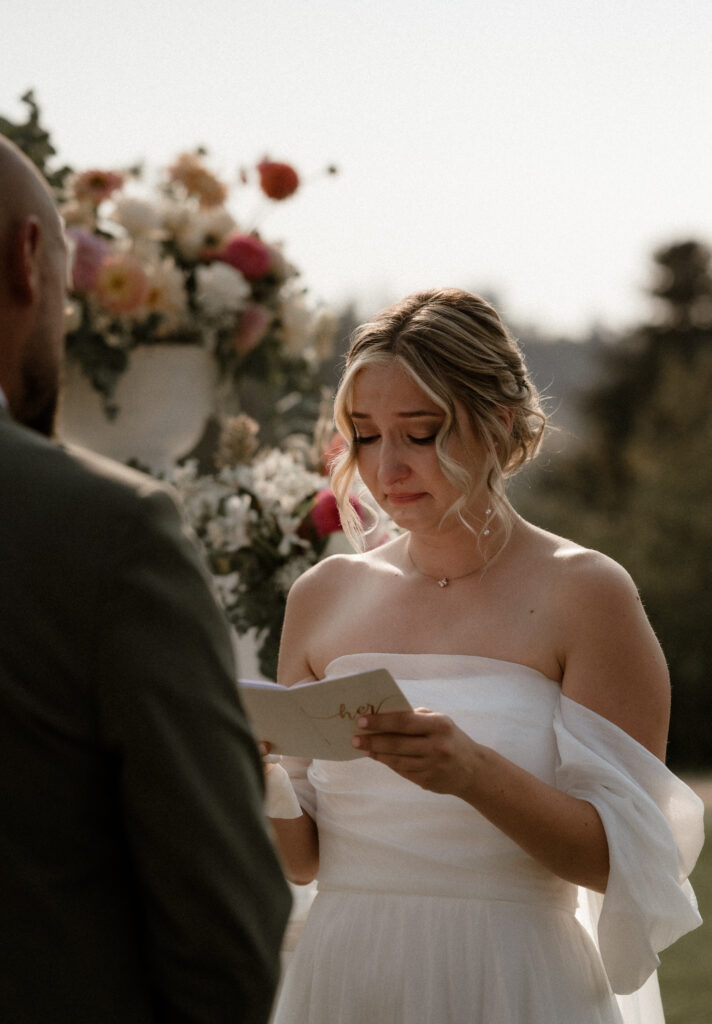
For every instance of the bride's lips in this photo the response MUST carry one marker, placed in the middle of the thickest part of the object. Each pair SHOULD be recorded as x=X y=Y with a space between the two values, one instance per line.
x=405 y=499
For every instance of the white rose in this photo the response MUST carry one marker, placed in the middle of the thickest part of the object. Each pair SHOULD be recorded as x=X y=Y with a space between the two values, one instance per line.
x=202 y=229
x=221 y=289
x=139 y=217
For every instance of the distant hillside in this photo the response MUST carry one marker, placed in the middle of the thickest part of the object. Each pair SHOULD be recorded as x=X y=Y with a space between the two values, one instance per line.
x=564 y=371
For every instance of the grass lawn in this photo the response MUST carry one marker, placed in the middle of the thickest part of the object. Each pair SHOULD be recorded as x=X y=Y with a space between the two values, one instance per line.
x=686 y=968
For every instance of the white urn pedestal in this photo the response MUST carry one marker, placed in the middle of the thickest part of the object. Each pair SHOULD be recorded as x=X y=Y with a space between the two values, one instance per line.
x=164 y=400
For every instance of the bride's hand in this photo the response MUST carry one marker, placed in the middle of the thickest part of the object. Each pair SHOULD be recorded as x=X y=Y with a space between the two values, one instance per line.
x=423 y=746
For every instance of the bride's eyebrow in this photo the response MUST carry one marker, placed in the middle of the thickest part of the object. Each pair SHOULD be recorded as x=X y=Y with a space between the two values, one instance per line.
x=416 y=414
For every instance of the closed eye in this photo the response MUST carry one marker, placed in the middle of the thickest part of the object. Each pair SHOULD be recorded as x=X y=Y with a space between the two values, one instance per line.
x=360 y=439
x=423 y=440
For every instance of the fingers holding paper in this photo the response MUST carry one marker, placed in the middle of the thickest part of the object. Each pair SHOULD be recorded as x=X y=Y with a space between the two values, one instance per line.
x=422 y=746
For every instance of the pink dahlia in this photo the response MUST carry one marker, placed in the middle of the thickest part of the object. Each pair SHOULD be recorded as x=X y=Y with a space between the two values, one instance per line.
x=248 y=254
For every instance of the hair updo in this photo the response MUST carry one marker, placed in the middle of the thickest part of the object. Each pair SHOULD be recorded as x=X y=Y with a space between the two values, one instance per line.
x=456 y=348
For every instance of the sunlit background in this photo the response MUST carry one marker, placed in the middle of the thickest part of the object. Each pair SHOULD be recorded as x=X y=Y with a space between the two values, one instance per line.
x=552 y=154
x=538 y=151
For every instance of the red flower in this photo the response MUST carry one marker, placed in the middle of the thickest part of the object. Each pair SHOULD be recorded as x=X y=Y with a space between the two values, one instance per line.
x=324 y=515
x=247 y=254
x=278 y=181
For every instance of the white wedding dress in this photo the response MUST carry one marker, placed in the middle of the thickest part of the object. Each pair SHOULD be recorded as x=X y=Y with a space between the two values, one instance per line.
x=427 y=914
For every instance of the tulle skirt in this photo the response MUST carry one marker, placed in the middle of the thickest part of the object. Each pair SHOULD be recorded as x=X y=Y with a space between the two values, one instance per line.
x=384 y=958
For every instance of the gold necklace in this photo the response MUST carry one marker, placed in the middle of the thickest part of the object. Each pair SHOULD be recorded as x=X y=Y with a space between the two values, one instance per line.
x=444 y=581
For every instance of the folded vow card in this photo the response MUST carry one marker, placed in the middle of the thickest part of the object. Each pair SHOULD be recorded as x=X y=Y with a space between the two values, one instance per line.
x=318 y=719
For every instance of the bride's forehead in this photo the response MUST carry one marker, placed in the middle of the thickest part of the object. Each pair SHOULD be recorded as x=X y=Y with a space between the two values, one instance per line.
x=376 y=384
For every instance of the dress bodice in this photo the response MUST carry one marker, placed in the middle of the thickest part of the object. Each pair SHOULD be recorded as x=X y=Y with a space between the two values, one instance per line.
x=380 y=830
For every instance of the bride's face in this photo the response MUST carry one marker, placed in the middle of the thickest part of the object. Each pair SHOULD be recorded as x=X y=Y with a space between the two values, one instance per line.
x=396 y=424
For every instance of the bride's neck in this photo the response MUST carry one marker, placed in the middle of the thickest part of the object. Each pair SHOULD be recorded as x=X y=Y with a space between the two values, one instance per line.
x=457 y=551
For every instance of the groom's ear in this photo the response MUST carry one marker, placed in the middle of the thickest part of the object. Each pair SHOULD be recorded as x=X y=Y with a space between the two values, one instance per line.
x=24 y=259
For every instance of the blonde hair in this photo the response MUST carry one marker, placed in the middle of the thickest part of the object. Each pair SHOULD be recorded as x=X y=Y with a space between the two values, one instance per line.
x=456 y=348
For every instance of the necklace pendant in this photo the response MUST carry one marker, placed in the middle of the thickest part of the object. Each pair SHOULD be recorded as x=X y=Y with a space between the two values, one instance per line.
x=443 y=582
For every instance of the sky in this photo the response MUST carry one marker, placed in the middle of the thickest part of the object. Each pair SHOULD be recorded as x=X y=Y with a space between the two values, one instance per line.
x=538 y=152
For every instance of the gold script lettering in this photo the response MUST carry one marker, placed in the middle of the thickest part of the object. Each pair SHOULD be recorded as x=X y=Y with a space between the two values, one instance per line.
x=352 y=715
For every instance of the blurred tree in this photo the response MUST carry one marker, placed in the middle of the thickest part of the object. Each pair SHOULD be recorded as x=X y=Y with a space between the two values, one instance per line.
x=682 y=288
x=34 y=141
x=641 y=489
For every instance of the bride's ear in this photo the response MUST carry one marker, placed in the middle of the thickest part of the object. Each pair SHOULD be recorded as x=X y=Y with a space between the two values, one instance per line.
x=506 y=417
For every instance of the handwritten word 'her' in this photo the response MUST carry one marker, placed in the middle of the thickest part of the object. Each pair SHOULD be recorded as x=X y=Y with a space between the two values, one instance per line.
x=352 y=715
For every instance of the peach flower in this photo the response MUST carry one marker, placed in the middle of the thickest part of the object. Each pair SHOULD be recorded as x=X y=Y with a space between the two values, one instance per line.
x=190 y=171
x=95 y=186
x=122 y=284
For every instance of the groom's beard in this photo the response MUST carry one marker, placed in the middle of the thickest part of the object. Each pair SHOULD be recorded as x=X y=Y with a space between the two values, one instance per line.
x=39 y=406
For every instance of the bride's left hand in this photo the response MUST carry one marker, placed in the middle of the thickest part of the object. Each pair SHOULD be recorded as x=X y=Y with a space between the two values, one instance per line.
x=423 y=746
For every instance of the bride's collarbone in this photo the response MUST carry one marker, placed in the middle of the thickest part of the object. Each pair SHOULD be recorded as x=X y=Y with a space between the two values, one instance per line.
x=397 y=615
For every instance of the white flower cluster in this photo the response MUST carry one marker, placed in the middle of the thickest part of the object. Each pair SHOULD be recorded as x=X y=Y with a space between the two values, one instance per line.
x=220 y=509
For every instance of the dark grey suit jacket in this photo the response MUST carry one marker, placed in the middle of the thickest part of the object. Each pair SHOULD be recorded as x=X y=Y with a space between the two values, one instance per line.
x=137 y=880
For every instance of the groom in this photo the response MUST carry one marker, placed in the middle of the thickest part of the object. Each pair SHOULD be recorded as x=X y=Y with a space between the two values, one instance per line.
x=137 y=879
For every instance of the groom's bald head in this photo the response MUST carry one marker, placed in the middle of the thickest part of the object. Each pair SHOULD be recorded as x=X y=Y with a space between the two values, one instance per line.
x=32 y=290
x=23 y=190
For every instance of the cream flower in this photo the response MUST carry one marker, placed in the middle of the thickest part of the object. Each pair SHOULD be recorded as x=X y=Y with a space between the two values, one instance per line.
x=196 y=231
x=137 y=216
x=221 y=289
x=166 y=294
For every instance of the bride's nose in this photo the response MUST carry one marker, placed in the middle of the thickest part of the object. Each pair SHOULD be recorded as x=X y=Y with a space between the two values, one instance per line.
x=391 y=465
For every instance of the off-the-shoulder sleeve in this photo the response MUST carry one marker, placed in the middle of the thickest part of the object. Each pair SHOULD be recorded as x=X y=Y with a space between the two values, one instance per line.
x=654 y=827
x=298 y=769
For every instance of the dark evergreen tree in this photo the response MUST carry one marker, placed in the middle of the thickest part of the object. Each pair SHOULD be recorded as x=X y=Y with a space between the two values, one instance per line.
x=641 y=489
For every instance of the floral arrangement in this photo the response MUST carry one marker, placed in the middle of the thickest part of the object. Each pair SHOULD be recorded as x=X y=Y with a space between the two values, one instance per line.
x=263 y=517
x=177 y=267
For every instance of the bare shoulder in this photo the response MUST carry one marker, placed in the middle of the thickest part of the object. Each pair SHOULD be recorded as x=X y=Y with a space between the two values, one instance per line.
x=318 y=605
x=591 y=577
x=330 y=576
x=612 y=661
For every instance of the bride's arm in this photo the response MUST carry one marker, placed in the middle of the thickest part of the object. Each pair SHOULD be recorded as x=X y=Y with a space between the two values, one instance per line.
x=611 y=663
x=297 y=838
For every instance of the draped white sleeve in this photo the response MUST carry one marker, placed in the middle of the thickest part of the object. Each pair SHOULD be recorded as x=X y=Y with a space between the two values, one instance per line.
x=654 y=827
x=297 y=768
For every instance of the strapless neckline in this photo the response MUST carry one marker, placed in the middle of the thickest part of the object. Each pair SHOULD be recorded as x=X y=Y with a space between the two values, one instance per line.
x=496 y=664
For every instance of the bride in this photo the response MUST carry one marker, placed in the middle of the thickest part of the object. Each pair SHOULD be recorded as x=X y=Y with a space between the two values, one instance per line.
x=513 y=850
